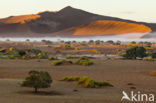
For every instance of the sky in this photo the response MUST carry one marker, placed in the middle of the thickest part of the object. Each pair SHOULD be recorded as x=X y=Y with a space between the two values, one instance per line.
x=138 y=10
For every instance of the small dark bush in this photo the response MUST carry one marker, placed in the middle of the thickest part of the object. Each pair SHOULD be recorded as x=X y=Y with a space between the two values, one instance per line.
x=153 y=55
x=34 y=51
x=22 y=53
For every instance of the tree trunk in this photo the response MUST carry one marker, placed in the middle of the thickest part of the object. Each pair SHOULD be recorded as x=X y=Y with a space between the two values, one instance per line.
x=36 y=90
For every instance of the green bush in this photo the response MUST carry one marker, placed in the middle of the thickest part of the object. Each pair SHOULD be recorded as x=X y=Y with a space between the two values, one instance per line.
x=70 y=79
x=42 y=55
x=52 y=58
x=26 y=57
x=149 y=59
x=11 y=57
x=135 y=52
x=70 y=57
x=13 y=53
x=83 y=58
x=83 y=61
x=34 y=51
x=153 y=55
x=22 y=53
x=87 y=82
x=59 y=62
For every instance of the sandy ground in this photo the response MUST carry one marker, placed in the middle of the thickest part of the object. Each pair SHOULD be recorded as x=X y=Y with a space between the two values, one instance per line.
x=118 y=72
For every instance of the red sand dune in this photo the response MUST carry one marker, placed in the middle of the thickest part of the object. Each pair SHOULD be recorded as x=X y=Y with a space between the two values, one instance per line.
x=19 y=19
x=106 y=27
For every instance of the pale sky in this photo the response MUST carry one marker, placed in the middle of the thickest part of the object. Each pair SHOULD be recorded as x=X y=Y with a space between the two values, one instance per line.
x=138 y=10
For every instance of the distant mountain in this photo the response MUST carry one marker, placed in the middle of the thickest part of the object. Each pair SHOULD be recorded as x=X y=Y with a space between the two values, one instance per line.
x=70 y=22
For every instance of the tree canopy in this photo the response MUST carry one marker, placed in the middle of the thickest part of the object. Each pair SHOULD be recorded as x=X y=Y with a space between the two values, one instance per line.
x=135 y=52
x=37 y=79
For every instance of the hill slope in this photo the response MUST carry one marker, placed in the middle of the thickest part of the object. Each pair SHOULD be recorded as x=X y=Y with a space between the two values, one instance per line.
x=72 y=21
x=106 y=27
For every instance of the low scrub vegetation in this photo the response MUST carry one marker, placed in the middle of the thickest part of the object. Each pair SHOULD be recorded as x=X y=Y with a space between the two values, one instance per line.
x=70 y=79
x=42 y=55
x=52 y=58
x=87 y=82
x=153 y=55
x=61 y=62
x=149 y=59
x=70 y=57
x=83 y=61
x=12 y=53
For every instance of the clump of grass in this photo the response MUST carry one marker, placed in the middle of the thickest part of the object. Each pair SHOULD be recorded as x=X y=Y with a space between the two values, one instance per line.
x=27 y=57
x=52 y=58
x=87 y=82
x=70 y=79
x=149 y=59
x=70 y=57
x=56 y=62
x=34 y=51
x=83 y=61
x=42 y=55
x=60 y=62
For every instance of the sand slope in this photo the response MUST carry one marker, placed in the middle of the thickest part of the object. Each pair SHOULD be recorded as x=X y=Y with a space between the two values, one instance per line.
x=106 y=27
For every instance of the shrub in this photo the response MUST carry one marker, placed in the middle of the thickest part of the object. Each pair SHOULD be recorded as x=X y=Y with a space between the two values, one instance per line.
x=34 y=51
x=83 y=61
x=149 y=59
x=52 y=58
x=42 y=55
x=59 y=62
x=83 y=58
x=11 y=57
x=135 y=52
x=69 y=57
x=13 y=53
x=37 y=80
x=26 y=57
x=22 y=53
x=87 y=82
x=153 y=55
x=70 y=79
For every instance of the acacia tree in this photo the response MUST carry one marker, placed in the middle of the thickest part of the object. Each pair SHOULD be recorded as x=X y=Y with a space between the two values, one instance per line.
x=37 y=80
x=135 y=52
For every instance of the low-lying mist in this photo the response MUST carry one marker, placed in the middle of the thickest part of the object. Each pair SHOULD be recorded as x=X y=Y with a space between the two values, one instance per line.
x=126 y=37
